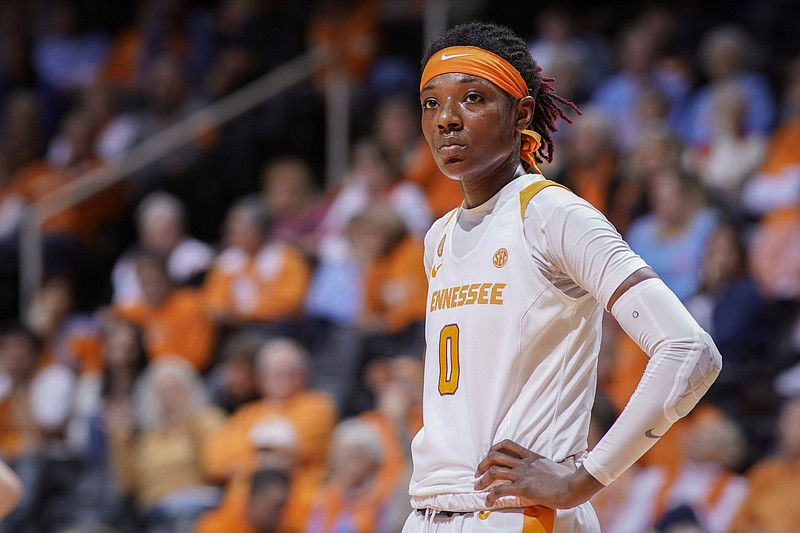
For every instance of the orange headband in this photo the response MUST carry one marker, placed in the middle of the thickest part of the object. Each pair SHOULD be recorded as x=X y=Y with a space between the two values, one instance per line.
x=491 y=67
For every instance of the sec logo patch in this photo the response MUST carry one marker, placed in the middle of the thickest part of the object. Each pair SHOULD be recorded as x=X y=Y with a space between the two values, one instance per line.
x=500 y=258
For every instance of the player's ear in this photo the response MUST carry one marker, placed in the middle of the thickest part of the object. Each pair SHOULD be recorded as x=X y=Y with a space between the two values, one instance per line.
x=524 y=109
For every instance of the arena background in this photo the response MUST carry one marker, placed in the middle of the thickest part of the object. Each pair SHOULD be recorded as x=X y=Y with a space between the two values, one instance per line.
x=182 y=182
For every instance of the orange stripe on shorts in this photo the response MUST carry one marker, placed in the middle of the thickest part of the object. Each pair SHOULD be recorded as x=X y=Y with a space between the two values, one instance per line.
x=538 y=519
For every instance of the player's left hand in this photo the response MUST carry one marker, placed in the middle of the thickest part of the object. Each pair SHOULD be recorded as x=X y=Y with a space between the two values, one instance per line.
x=512 y=470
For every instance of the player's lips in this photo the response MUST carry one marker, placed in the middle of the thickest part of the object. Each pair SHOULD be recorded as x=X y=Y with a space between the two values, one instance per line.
x=450 y=149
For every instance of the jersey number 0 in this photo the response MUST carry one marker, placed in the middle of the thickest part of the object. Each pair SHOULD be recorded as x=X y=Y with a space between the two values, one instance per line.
x=448 y=359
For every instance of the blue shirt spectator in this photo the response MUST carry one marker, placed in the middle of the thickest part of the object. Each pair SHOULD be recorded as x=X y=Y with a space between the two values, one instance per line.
x=724 y=60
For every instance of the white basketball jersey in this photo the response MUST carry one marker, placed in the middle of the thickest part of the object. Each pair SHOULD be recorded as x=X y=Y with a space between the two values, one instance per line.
x=508 y=356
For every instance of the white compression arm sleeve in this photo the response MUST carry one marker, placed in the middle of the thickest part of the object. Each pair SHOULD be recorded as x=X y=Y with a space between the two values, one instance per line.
x=683 y=364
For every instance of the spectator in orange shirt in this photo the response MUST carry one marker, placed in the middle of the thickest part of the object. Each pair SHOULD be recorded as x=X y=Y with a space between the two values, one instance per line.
x=591 y=169
x=256 y=278
x=771 y=504
x=157 y=27
x=282 y=369
x=173 y=320
x=72 y=234
x=244 y=510
x=348 y=29
x=40 y=178
x=773 y=194
x=230 y=454
x=395 y=284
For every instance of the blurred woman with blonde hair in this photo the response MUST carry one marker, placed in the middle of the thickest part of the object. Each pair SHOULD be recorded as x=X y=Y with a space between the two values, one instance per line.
x=156 y=446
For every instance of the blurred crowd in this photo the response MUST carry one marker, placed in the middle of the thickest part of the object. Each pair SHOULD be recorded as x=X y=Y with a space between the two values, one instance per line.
x=228 y=341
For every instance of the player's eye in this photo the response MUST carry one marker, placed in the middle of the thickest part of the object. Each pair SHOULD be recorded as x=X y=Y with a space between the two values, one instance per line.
x=473 y=97
x=429 y=103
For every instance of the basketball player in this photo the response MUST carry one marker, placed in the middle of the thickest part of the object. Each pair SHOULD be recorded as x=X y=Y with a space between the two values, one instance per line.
x=519 y=276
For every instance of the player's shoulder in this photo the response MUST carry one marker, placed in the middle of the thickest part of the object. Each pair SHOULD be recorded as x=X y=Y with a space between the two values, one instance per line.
x=541 y=197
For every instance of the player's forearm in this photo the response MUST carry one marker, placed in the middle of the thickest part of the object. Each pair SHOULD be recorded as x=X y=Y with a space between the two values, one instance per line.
x=683 y=364
x=581 y=486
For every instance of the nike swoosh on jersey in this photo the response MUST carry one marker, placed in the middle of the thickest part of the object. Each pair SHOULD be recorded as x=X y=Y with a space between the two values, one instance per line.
x=650 y=435
x=445 y=57
x=435 y=269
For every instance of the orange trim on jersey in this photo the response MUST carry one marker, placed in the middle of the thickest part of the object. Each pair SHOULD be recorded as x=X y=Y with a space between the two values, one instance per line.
x=490 y=67
x=538 y=519
x=527 y=194
x=449 y=218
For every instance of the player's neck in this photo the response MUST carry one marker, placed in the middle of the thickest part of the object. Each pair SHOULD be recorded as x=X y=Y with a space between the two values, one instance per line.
x=479 y=192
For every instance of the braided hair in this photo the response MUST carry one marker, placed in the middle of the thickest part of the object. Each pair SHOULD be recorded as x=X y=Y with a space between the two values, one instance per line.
x=502 y=41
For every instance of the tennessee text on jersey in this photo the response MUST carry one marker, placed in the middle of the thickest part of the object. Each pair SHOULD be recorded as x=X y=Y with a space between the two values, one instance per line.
x=474 y=294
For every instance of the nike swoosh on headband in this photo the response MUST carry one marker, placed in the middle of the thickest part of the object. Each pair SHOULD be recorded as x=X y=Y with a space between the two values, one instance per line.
x=445 y=57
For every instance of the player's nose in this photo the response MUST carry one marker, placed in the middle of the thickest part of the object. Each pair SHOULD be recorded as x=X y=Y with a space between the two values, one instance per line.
x=449 y=118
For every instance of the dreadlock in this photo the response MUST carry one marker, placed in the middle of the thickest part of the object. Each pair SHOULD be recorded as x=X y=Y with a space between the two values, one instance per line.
x=502 y=41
